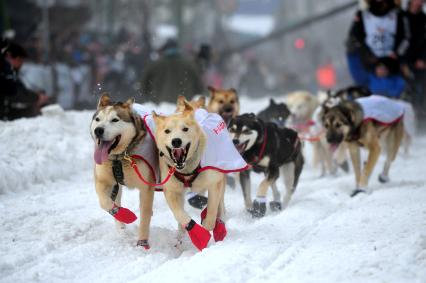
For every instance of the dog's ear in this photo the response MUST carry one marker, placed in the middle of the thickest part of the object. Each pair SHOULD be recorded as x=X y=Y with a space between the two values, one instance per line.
x=188 y=109
x=233 y=90
x=201 y=102
x=157 y=118
x=105 y=100
x=180 y=105
x=272 y=101
x=212 y=91
x=129 y=102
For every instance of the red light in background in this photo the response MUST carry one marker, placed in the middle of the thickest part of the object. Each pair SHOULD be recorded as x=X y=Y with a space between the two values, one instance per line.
x=299 y=43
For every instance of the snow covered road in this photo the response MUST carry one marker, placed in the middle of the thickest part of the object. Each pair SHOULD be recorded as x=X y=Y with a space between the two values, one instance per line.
x=52 y=229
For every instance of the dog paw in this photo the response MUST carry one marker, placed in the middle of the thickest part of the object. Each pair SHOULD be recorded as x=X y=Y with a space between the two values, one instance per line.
x=199 y=236
x=259 y=209
x=198 y=201
x=275 y=206
x=383 y=178
x=219 y=231
x=144 y=244
x=123 y=214
x=357 y=191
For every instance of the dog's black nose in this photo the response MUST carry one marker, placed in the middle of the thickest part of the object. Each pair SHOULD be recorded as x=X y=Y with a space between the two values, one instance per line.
x=236 y=141
x=228 y=109
x=99 y=131
x=176 y=143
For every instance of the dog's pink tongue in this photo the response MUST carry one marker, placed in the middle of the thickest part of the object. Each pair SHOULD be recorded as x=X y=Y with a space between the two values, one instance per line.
x=101 y=152
x=178 y=153
x=333 y=147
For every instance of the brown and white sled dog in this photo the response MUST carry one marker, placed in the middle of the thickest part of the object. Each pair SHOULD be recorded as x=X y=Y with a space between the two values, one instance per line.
x=350 y=122
x=117 y=131
x=181 y=143
x=224 y=102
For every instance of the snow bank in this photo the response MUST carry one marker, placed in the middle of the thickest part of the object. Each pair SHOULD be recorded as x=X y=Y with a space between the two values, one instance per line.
x=54 y=231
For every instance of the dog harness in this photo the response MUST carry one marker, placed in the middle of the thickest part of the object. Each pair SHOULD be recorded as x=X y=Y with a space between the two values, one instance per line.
x=381 y=109
x=220 y=153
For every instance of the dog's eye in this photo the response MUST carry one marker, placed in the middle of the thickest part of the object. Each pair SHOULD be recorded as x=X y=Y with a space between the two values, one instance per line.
x=167 y=131
x=337 y=125
x=221 y=101
x=97 y=119
x=185 y=129
x=232 y=101
x=115 y=120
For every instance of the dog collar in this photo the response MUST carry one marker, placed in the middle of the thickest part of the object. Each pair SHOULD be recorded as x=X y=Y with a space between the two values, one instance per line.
x=262 y=148
x=187 y=179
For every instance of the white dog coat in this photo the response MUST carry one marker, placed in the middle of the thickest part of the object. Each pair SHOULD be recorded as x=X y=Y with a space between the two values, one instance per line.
x=220 y=153
x=381 y=109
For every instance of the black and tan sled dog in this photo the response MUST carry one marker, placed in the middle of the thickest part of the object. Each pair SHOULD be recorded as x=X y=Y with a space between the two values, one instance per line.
x=271 y=150
x=363 y=123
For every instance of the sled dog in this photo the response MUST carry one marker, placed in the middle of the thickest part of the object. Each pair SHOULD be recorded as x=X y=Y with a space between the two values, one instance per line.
x=224 y=102
x=118 y=132
x=271 y=150
x=364 y=122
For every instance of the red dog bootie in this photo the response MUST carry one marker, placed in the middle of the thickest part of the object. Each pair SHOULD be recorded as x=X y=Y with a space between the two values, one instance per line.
x=200 y=237
x=144 y=244
x=219 y=231
x=122 y=214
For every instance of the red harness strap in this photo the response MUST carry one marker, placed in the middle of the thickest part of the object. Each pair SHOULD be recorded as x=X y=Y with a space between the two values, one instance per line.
x=262 y=149
x=188 y=179
x=169 y=174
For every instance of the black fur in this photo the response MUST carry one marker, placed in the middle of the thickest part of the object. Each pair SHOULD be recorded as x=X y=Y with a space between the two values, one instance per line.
x=275 y=112
x=282 y=146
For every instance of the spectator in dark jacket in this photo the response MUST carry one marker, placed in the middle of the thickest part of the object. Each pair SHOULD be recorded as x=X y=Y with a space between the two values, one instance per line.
x=16 y=100
x=170 y=76
x=380 y=31
x=416 y=54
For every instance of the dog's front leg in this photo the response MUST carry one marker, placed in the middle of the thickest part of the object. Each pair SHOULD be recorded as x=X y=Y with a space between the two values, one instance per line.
x=246 y=188
x=120 y=225
x=215 y=196
x=104 y=195
x=199 y=236
x=121 y=214
x=373 y=156
x=146 y=199
x=356 y=164
x=175 y=202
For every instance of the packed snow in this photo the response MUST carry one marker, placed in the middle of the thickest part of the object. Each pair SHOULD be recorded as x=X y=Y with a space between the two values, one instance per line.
x=53 y=229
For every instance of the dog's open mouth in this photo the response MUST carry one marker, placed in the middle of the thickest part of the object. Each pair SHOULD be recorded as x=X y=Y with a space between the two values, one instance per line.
x=333 y=147
x=241 y=147
x=104 y=148
x=178 y=155
x=226 y=116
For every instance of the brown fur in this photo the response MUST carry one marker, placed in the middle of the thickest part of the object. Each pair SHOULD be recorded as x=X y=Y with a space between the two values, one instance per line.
x=344 y=122
x=104 y=178
x=197 y=103
x=224 y=102
x=209 y=179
